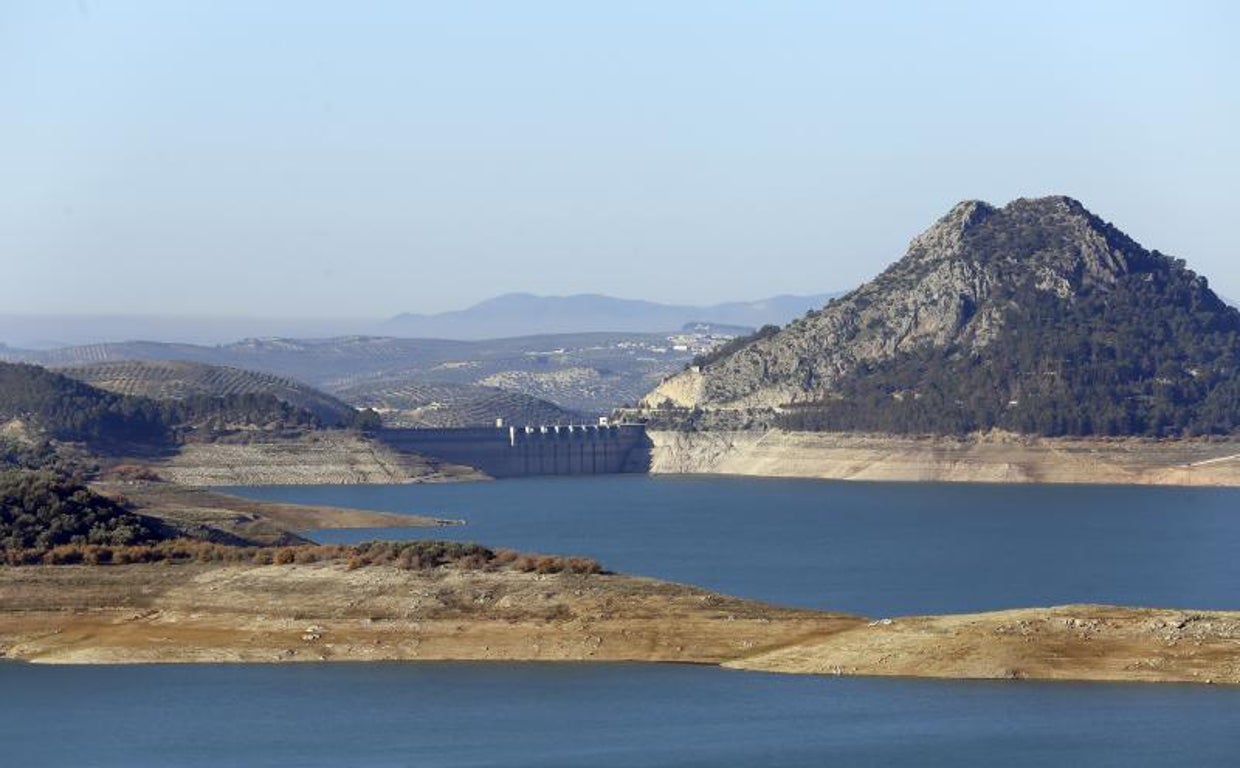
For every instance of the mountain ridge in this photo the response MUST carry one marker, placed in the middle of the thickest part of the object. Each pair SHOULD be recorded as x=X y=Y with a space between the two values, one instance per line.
x=523 y=314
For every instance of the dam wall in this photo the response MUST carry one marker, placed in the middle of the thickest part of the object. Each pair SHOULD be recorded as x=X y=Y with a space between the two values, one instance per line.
x=527 y=451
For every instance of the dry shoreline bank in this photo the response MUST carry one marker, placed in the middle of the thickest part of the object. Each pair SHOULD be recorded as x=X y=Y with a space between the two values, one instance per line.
x=336 y=459
x=325 y=457
x=200 y=513
x=992 y=458
x=324 y=612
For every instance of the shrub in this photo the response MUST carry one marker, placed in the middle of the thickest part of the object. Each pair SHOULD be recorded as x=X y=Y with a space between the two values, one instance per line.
x=45 y=509
x=406 y=555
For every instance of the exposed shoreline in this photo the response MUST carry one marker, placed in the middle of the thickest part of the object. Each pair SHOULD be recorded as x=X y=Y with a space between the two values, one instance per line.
x=323 y=457
x=331 y=459
x=205 y=514
x=991 y=458
x=325 y=612
x=242 y=613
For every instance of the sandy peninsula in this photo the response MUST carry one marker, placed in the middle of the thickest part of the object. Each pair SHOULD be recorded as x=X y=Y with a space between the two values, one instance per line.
x=327 y=612
x=201 y=513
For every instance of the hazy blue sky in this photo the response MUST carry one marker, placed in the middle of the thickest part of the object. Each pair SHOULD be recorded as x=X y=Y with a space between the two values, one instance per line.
x=357 y=158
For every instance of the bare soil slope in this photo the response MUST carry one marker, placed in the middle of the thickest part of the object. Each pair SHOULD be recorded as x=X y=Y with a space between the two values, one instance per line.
x=201 y=514
x=323 y=611
x=326 y=457
x=993 y=458
x=152 y=613
x=1078 y=642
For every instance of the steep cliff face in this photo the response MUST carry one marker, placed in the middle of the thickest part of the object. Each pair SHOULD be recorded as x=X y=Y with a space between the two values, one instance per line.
x=981 y=288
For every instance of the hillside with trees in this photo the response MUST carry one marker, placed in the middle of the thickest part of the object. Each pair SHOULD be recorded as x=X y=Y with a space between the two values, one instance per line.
x=57 y=407
x=43 y=509
x=1036 y=318
x=405 y=403
x=65 y=409
x=589 y=373
x=191 y=381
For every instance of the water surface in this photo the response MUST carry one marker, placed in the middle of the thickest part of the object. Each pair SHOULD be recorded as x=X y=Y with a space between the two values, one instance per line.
x=879 y=549
x=874 y=548
x=573 y=715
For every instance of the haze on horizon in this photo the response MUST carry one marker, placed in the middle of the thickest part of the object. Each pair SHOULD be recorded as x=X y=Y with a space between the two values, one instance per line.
x=317 y=159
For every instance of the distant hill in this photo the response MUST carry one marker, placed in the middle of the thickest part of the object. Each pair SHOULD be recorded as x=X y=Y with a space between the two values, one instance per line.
x=587 y=372
x=52 y=331
x=524 y=314
x=59 y=407
x=52 y=405
x=406 y=403
x=179 y=380
x=1038 y=317
x=503 y=316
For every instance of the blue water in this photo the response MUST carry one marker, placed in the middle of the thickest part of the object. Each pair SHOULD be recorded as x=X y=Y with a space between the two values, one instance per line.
x=879 y=549
x=604 y=716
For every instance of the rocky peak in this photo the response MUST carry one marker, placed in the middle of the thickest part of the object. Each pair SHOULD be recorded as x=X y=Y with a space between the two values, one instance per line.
x=945 y=238
x=1056 y=240
x=1049 y=205
x=955 y=286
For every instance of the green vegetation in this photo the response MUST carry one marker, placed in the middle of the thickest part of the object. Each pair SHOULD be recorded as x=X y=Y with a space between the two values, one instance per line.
x=421 y=555
x=733 y=346
x=168 y=380
x=215 y=413
x=407 y=403
x=65 y=409
x=1157 y=354
x=366 y=420
x=340 y=364
x=46 y=455
x=40 y=509
x=406 y=555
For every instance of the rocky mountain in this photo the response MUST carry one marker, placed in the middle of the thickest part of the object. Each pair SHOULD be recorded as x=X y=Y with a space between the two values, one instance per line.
x=1037 y=317
x=524 y=314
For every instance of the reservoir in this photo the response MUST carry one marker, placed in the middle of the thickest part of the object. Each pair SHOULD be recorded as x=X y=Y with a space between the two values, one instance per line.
x=878 y=549
x=871 y=548
x=607 y=716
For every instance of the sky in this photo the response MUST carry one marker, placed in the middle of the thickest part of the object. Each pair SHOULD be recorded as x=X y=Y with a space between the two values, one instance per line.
x=366 y=158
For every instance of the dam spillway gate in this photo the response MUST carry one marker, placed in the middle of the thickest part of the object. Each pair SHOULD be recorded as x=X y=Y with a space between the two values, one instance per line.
x=576 y=449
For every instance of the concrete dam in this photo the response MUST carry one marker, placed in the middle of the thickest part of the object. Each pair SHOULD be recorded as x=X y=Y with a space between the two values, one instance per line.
x=578 y=449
